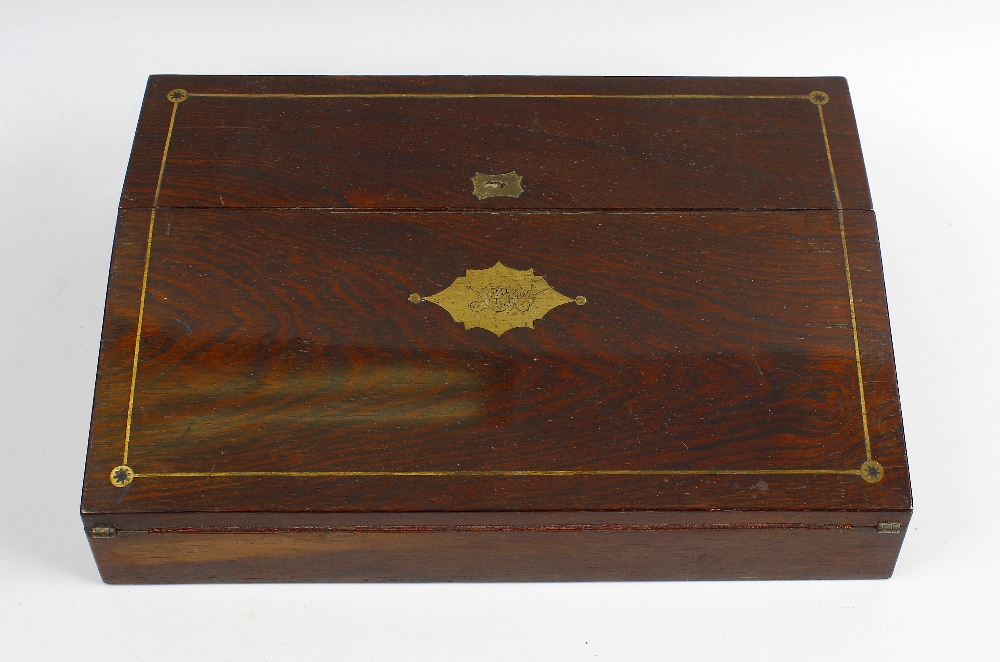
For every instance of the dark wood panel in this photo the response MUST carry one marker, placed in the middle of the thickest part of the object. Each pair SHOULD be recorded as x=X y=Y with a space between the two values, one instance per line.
x=601 y=153
x=283 y=341
x=756 y=153
x=499 y=556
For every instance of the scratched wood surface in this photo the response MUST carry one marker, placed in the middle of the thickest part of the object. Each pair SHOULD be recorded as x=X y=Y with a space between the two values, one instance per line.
x=284 y=372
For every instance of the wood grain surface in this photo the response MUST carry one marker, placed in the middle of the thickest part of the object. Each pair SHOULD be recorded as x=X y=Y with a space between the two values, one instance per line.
x=284 y=341
x=421 y=151
x=285 y=390
x=513 y=555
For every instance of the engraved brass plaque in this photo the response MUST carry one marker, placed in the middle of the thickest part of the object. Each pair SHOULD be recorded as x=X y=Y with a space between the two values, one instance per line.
x=491 y=186
x=498 y=299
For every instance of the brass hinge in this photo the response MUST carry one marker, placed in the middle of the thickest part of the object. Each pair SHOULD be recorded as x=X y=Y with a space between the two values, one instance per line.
x=888 y=527
x=104 y=532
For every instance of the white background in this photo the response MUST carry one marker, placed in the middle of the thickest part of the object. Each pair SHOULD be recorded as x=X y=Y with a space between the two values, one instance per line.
x=925 y=80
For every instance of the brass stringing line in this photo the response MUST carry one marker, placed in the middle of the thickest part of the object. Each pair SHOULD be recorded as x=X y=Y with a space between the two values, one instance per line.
x=501 y=96
x=145 y=279
x=850 y=286
x=597 y=472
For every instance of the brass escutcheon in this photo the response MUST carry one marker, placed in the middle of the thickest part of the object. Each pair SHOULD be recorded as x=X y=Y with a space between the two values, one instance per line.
x=490 y=186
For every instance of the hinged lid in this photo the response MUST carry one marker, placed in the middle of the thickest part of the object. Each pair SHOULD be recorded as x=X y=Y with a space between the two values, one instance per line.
x=354 y=295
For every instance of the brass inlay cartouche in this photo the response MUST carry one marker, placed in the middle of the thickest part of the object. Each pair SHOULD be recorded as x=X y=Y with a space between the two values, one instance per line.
x=498 y=299
x=492 y=186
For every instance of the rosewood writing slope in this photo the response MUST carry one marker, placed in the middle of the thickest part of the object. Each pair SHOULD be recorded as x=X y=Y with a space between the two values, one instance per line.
x=495 y=328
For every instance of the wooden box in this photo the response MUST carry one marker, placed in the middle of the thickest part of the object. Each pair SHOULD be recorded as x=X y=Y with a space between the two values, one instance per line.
x=495 y=328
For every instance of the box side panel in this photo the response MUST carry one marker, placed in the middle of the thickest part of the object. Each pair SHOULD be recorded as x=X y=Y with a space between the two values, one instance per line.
x=857 y=553
x=180 y=522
